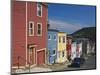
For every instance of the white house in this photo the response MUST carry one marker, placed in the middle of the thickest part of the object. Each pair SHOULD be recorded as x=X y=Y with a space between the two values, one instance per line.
x=73 y=51
x=79 y=49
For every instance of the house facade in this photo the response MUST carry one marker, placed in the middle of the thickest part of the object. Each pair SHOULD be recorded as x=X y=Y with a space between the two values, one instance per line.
x=79 y=49
x=29 y=33
x=73 y=50
x=68 y=46
x=61 y=51
x=91 y=47
x=52 y=46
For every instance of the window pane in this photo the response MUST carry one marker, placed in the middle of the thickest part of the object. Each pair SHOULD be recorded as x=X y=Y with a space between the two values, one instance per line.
x=54 y=52
x=31 y=31
x=30 y=28
x=63 y=54
x=31 y=49
x=64 y=39
x=31 y=25
x=39 y=26
x=39 y=29
x=39 y=9
x=49 y=37
x=39 y=12
x=59 y=39
x=54 y=36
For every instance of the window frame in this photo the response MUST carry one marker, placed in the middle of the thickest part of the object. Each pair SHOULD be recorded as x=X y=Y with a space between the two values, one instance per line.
x=64 y=39
x=29 y=29
x=63 y=54
x=38 y=9
x=40 y=28
x=49 y=36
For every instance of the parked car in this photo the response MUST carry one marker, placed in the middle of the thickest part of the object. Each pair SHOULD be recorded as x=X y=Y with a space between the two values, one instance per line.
x=77 y=62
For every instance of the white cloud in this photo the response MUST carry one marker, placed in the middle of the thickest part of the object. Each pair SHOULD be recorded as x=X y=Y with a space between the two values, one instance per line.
x=65 y=26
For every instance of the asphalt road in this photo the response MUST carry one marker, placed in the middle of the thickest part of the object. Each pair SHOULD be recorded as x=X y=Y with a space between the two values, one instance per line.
x=90 y=63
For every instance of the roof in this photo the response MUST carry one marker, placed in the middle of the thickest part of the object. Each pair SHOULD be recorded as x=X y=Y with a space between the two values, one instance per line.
x=62 y=32
x=53 y=30
x=87 y=32
x=45 y=4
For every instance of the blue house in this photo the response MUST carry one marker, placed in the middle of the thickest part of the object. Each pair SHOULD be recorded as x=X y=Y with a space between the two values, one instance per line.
x=52 y=45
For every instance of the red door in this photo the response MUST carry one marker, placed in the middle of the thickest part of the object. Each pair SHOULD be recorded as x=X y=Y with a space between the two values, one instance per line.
x=41 y=57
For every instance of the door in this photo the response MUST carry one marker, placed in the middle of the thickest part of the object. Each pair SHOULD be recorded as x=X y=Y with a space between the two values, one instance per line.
x=41 y=57
x=32 y=55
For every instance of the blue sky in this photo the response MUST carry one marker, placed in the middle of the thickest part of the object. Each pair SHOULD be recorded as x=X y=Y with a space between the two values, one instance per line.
x=69 y=18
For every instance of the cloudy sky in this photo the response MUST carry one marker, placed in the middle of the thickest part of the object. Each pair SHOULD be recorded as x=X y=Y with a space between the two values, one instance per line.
x=69 y=18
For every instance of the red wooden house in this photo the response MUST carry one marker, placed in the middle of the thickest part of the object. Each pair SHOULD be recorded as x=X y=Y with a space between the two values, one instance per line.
x=69 y=43
x=29 y=33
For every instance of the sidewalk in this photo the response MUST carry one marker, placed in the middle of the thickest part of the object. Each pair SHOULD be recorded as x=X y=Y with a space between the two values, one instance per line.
x=33 y=69
x=44 y=68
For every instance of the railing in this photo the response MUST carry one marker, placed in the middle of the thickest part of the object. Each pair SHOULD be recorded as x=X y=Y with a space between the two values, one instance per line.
x=22 y=59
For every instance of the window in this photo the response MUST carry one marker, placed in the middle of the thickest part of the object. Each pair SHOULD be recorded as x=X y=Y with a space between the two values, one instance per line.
x=59 y=39
x=54 y=37
x=63 y=39
x=39 y=9
x=63 y=54
x=31 y=28
x=49 y=37
x=31 y=49
x=39 y=29
x=54 y=52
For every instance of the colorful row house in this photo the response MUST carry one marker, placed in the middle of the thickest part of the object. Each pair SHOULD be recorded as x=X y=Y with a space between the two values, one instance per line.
x=79 y=49
x=68 y=46
x=76 y=49
x=29 y=31
x=73 y=50
x=52 y=45
x=83 y=46
x=61 y=50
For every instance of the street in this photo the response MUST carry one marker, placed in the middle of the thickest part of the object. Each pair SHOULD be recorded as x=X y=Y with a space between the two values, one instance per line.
x=90 y=63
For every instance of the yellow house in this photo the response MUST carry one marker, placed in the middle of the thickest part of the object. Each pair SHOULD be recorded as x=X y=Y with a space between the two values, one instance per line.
x=61 y=51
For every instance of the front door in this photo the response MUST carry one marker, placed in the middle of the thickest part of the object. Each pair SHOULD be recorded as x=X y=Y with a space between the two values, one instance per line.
x=32 y=55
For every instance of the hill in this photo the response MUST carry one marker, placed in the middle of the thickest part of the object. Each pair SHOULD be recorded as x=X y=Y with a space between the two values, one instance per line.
x=87 y=32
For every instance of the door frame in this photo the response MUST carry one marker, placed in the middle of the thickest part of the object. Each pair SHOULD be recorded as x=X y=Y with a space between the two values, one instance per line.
x=34 y=49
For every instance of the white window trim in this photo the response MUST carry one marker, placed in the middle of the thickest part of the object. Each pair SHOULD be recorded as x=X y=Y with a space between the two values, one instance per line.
x=41 y=29
x=41 y=10
x=29 y=28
